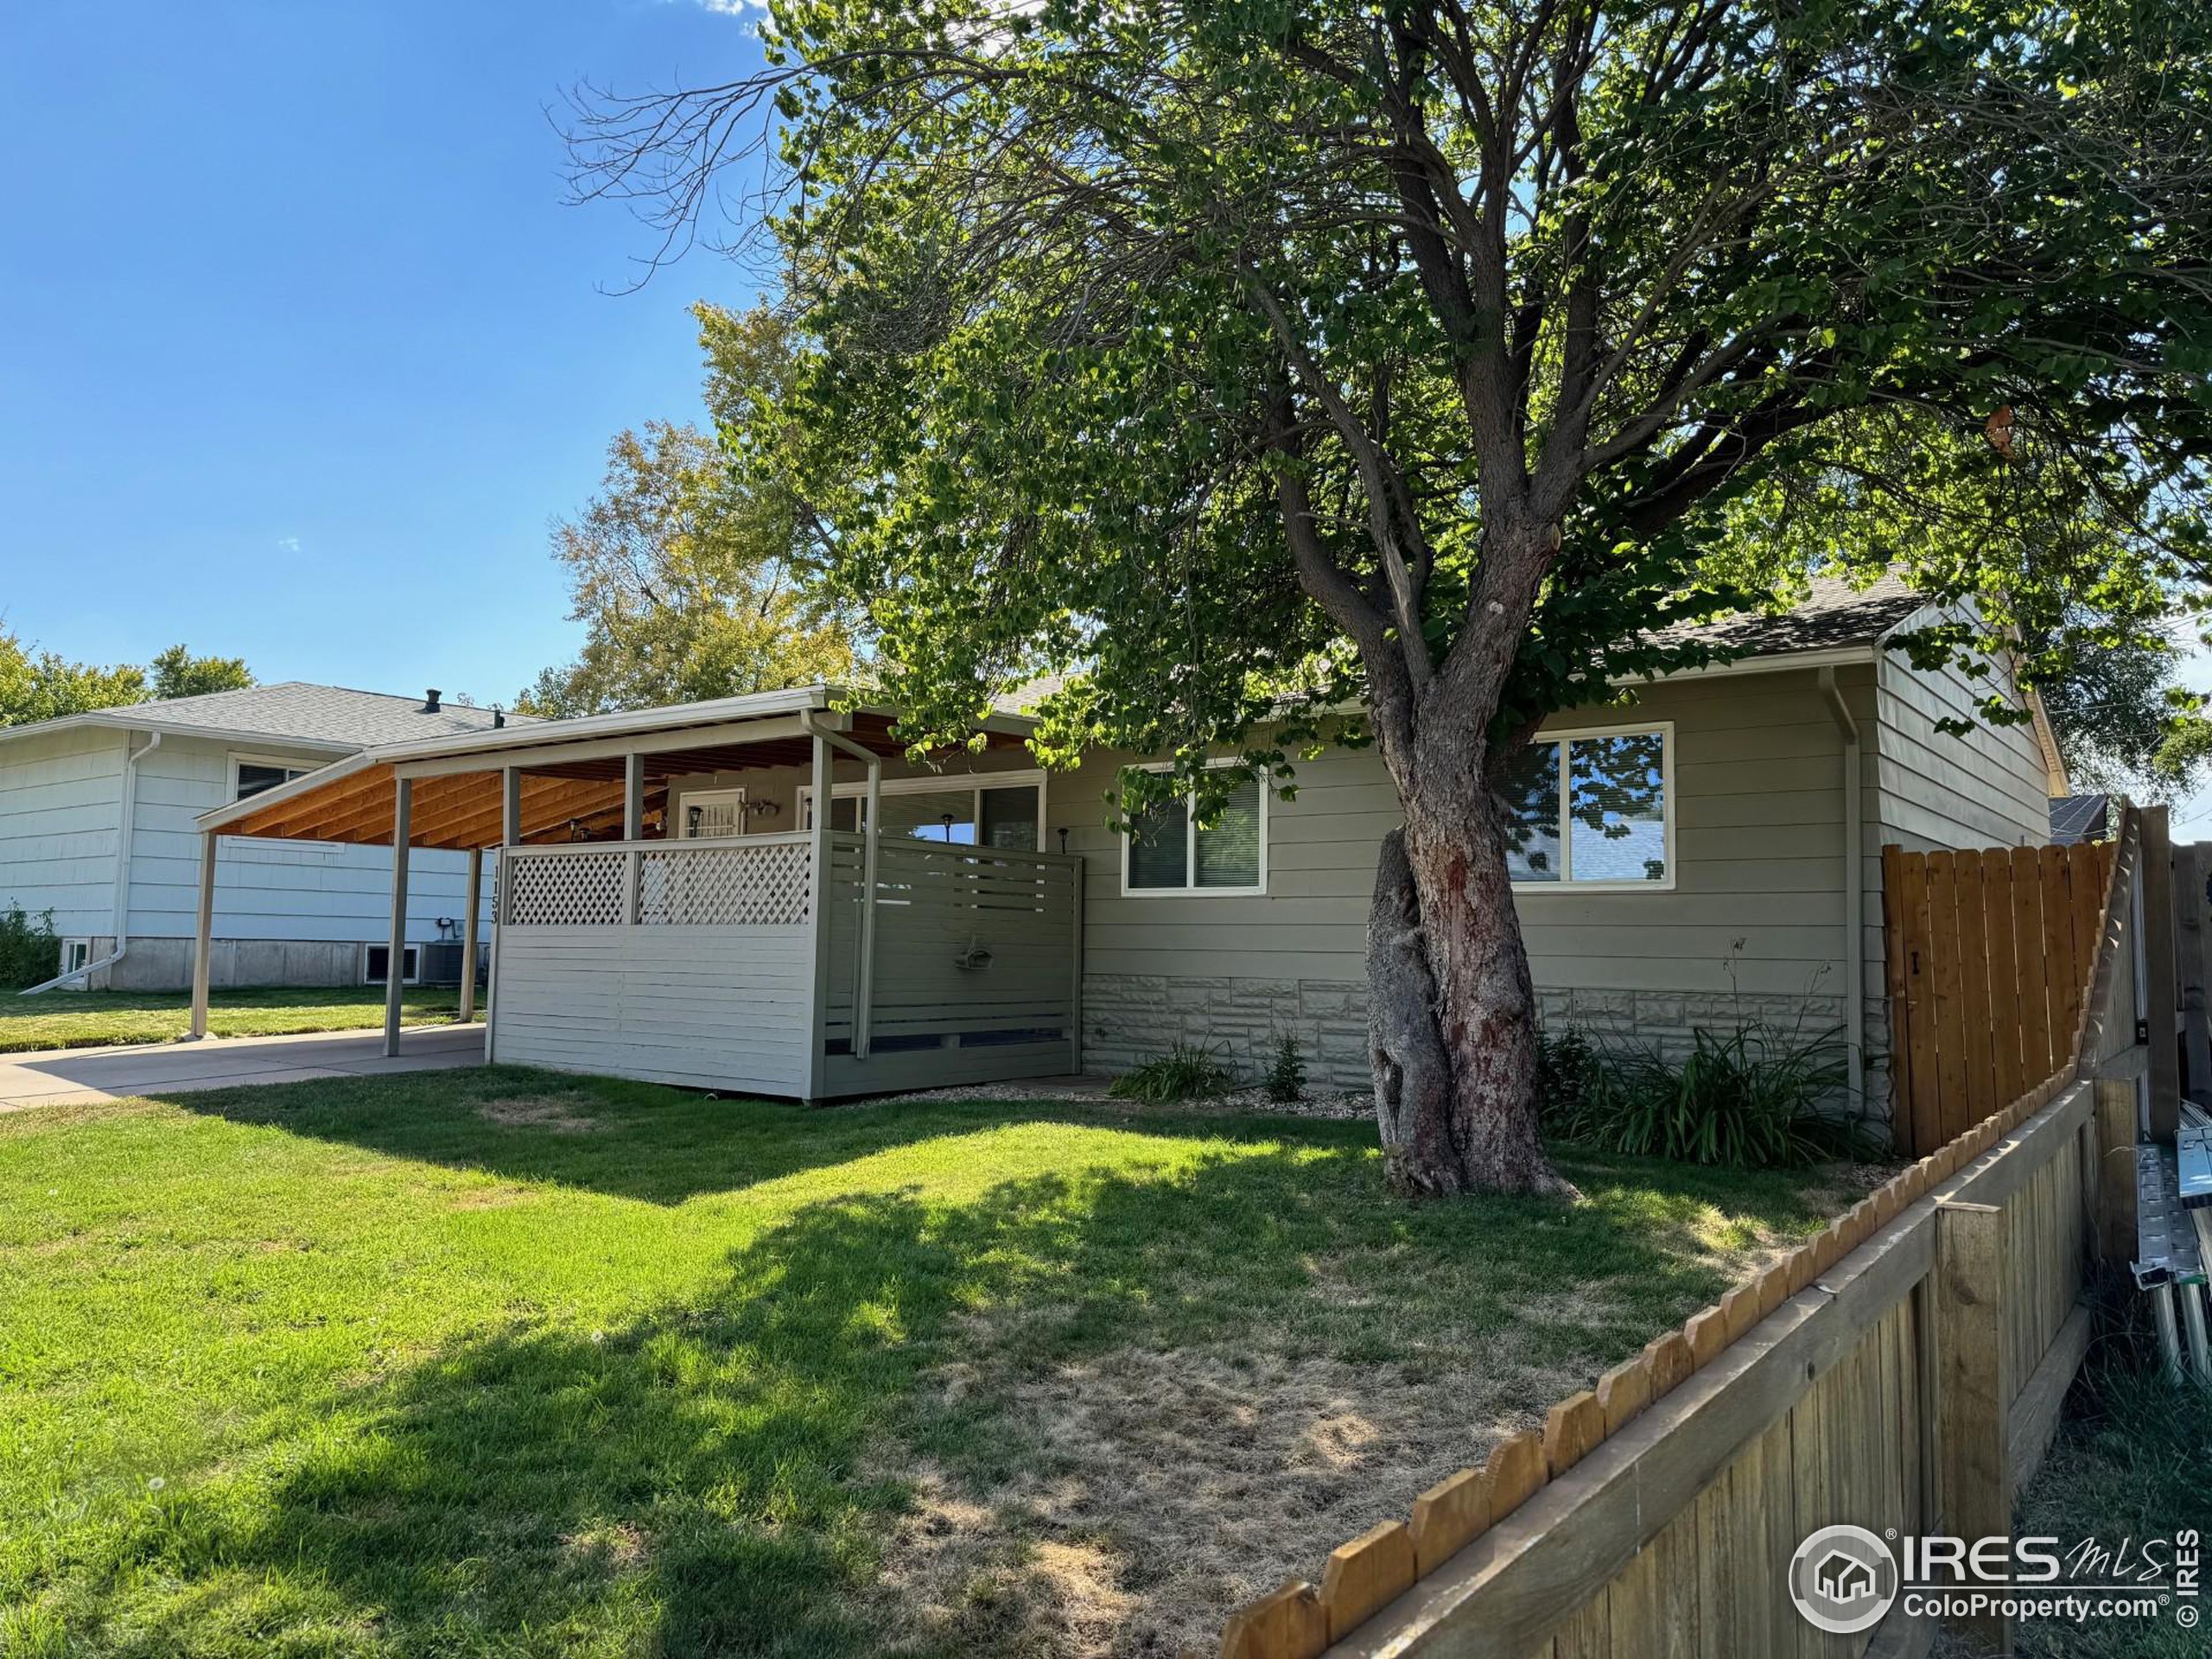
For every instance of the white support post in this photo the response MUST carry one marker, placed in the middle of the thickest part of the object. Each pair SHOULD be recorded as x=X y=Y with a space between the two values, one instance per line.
x=634 y=797
x=203 y=935
x=395 y=963
x=473 y=897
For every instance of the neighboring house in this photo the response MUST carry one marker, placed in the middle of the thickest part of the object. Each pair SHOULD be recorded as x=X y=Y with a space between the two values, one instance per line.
x=96 y=826
x=1734 y=874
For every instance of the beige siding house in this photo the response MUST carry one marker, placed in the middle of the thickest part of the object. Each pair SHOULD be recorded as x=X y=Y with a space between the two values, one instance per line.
x=1703 y=853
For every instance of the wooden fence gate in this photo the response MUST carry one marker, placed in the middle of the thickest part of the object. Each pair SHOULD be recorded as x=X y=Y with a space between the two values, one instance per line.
x=1987 y=953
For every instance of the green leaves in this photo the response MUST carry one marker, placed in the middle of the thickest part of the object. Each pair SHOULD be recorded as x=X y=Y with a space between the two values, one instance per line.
x=1224 y=353
x=696 y=568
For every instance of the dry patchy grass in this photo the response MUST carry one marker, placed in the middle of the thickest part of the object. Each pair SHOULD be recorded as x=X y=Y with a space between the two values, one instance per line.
x=501 y=1362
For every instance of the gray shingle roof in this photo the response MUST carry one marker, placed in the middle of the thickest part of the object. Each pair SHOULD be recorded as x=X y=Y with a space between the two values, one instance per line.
x=1833 y=613
x=331 y=715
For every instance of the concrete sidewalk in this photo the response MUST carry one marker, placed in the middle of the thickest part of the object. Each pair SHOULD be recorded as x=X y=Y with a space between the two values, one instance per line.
x=57 y=1075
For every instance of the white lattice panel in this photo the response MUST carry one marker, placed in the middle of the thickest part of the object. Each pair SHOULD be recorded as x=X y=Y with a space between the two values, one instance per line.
x=766 y=885
x=568 y=890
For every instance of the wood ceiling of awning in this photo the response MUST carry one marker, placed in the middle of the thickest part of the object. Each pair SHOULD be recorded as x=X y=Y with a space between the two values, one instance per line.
x=458 y=813
x=461 y=810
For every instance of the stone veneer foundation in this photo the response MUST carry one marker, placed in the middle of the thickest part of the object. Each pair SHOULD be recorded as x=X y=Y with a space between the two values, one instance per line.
x=1130 y=1017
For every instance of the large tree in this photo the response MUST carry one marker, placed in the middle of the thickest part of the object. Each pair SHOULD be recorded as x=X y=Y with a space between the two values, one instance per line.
x=693 y=568
x=1420 y=360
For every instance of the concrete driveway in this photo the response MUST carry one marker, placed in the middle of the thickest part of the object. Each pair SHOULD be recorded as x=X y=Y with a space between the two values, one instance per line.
x=58 y=1075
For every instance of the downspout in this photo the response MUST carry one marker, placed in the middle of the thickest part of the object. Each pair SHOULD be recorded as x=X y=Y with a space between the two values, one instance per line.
x=1854 y=894
x=864 y=967
x=121 y=928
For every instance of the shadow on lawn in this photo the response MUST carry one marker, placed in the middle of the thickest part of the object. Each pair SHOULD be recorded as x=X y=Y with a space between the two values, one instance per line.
x=694 y=1484
x=645 y=1140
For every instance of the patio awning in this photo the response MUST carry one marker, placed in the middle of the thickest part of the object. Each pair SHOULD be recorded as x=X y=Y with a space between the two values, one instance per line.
x=598 y=778
x=570 y=772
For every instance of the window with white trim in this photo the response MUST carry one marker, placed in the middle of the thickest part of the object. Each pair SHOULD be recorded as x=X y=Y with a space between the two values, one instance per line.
x=1168 y=851
x=252 y=777
x=711 y=815
x=1593 y=809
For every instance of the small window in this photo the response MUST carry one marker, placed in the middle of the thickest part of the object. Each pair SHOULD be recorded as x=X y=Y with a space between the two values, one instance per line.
x=255 y=775
x=1168 y=851
x=712 y=815
x=75 y=953
x=1593 y=809
x=376 y=965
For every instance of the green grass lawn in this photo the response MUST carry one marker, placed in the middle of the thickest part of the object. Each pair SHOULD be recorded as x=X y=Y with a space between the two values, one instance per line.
x=498 y=1363
x=2131 y=1461
x=95 y=1019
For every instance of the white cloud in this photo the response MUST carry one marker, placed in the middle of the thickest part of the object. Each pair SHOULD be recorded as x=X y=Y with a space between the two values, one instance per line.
x=288 y=544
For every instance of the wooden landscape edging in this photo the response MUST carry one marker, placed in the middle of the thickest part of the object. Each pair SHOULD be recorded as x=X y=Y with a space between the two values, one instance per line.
x=1498 y=1560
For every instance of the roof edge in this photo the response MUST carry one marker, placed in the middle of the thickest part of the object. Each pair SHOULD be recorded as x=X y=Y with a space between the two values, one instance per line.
x=119 y=719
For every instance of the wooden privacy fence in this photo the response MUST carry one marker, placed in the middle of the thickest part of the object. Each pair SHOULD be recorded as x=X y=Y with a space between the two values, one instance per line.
x=1987 y=953
x=1904 y=1370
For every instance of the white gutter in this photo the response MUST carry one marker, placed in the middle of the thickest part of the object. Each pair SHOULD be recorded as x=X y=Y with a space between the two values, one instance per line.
x=125 y=825
x=864 y=967
x=1854 y=893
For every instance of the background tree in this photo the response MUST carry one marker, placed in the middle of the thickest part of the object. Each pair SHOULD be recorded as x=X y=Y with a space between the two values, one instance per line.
x=38 y=686
x=1417 y=355
x=177 y=673
x=693 y=568
x=45 y=685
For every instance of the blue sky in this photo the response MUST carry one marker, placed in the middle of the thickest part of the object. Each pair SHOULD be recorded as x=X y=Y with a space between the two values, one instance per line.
x=304 y=350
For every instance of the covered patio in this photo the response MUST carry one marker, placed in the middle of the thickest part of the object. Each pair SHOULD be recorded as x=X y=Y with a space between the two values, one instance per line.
x=815 y=963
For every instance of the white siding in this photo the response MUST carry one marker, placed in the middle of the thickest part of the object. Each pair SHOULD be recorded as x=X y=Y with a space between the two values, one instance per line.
x=266 y=889
x=61 y=798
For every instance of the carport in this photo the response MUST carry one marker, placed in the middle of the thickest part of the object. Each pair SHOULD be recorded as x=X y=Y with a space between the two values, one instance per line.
x=809 y=963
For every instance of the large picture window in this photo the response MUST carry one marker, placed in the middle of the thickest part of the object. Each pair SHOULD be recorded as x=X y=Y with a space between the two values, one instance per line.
x=1594 y=809
x=1168 y=851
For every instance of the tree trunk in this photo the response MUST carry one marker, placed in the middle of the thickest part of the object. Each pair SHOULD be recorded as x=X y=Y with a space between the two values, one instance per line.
x=1451 y=1011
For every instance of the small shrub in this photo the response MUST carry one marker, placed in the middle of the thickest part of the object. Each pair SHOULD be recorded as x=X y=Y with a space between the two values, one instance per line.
x=1285 y=1075
x=1187 y=1071
x=30 y=951
x=1566 y=1071
x=1751 y=1098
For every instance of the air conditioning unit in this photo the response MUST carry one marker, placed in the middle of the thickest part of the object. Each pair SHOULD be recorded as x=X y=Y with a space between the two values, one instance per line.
x=375 y=964
x=442 y=962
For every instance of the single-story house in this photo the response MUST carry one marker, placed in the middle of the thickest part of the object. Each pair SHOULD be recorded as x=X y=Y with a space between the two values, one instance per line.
x=97 y=825
x=718 y=937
